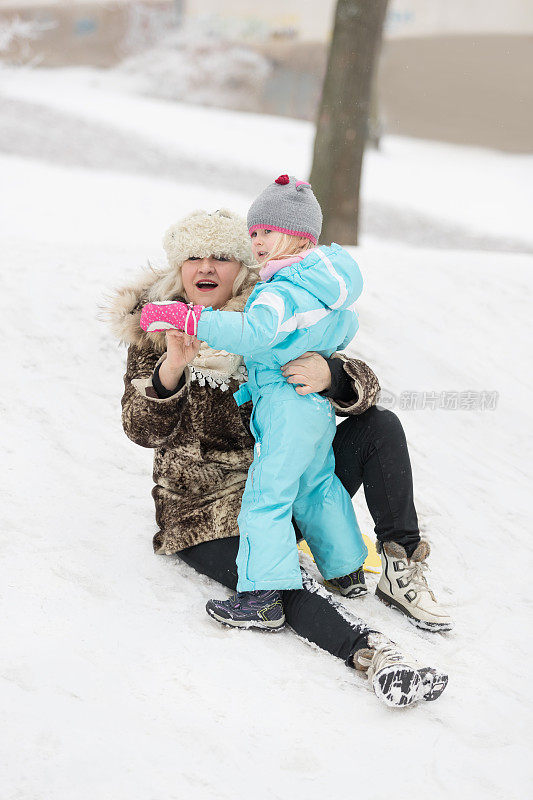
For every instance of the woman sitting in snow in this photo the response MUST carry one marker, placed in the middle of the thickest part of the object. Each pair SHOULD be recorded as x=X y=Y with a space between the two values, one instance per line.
x=179 y=401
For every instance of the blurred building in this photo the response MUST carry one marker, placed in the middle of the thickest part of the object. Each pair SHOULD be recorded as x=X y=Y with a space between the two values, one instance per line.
x=453 y=70
x=311 y=20
x=68 y=32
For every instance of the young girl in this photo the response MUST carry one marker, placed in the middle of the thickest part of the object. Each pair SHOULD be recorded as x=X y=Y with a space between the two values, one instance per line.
x=304 y=302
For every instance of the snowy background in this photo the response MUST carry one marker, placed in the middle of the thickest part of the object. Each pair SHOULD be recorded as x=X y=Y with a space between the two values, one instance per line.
x=115 y=683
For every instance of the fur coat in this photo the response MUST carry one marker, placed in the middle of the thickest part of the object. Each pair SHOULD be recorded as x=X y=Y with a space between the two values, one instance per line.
x=201 y=439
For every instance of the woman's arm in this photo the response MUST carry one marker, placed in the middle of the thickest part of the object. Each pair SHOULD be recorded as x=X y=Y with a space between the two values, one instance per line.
x=349 y=383
x=162 y=392
x=364 y=385
x=147 y=419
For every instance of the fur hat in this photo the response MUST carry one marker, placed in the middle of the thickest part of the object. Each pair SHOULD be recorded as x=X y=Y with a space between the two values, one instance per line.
x=289 y=206
x=201 y=234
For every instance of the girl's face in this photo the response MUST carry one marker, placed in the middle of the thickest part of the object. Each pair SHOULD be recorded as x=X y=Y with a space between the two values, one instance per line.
x=263 y=242
x=209 y=281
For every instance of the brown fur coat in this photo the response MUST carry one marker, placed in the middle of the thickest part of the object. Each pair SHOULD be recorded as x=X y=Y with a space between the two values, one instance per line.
x=201 y=439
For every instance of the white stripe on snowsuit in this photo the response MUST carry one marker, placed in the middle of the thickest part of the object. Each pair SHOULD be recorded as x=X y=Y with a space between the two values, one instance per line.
x=343 y=291
x=302 y=319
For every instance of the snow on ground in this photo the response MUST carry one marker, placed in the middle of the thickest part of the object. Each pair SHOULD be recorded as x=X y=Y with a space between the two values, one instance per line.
x=115 y=683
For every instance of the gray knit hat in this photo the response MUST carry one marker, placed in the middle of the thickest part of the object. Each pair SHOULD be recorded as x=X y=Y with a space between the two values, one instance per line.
x=289 y=206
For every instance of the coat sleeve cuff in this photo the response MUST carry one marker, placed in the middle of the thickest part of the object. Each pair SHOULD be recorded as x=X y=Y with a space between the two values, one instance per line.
x=162 y=392
x=153 y=389
x=340 y=388
x=364 y=387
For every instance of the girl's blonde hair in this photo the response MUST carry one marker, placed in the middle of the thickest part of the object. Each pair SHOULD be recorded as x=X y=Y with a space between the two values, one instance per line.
x=287 y=245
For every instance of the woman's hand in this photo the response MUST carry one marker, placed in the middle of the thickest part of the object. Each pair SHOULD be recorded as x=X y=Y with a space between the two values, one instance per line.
x=309 y=370
x=181 y=350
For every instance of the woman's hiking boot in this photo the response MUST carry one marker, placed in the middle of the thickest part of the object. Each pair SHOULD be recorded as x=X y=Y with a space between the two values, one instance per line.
x=397 y=680
x=259 y=609
x=403 y=585
x=350 y=585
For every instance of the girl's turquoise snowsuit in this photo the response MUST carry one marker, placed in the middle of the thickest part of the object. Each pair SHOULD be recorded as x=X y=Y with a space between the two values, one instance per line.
x=305 y=306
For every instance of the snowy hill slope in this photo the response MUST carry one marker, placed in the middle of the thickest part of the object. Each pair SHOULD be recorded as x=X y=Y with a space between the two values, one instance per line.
x=115 y=682
x=413 y=190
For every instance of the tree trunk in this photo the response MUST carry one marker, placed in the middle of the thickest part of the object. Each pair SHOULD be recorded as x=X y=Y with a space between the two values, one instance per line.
x=375 y=124
x=343 y=117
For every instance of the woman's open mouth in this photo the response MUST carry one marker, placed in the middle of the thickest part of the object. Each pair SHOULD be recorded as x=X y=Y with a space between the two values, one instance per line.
x=206 y=286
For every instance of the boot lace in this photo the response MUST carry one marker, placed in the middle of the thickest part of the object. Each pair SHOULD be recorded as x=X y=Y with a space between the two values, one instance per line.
x=376 y=659
x=415 y=573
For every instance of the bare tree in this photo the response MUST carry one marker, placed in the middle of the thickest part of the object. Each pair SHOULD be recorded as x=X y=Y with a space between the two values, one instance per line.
x=342 y=124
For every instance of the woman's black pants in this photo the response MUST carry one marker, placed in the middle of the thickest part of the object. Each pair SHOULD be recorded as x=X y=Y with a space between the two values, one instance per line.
x=370 y=449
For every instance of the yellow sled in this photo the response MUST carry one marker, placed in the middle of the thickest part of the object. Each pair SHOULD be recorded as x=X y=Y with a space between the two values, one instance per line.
x=372 y=563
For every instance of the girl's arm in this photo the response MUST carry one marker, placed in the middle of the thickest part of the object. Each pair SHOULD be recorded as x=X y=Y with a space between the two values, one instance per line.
x=268 y=321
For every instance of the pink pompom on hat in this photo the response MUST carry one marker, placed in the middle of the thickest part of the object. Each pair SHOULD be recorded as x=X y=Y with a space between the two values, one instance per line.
x=287 y=205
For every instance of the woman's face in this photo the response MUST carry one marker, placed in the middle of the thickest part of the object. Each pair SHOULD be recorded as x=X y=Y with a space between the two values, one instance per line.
x=209 y=281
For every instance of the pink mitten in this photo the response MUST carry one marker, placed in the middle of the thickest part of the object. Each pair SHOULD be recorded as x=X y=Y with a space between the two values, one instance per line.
x=170 y=315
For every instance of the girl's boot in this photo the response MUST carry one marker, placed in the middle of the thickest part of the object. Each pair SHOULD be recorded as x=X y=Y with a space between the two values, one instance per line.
x=351 y=585
x=259 y=609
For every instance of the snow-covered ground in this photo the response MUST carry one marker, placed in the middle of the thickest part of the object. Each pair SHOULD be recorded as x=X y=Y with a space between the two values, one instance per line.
x=115 y=683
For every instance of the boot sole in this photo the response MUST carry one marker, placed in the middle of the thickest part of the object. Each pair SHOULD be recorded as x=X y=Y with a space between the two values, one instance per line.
x=398 y=686
x=350 y=593
x=433 y=683
x=273 y=626
x=425 y=626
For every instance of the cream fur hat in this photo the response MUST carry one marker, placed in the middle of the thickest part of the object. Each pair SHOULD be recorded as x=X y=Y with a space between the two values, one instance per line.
x=201 y=234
